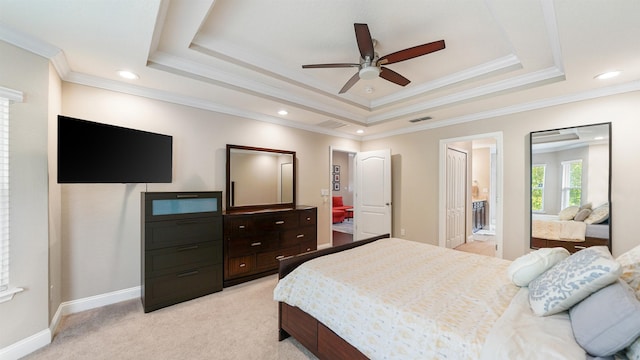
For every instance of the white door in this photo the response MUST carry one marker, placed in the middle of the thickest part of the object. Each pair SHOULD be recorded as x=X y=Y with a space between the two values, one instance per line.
x=456 y=196
x=372 y=194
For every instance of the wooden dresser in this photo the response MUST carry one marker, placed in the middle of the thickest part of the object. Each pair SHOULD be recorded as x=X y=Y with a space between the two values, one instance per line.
x=255 y=241
x=181 y=246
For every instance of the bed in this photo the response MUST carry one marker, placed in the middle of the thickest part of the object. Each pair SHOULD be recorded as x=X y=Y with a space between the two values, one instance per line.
x=389 y=298
x=550 y=231
x=339 y=305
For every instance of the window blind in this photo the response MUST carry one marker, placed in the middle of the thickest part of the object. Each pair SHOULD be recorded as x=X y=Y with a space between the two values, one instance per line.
x=4 y=194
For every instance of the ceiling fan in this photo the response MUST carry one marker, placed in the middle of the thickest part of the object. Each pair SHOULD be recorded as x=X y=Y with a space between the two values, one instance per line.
x=370 y=65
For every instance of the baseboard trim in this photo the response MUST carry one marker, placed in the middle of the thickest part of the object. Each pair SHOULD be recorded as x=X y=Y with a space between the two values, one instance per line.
x=43 y=338
x=26 y=346
x=92 y=302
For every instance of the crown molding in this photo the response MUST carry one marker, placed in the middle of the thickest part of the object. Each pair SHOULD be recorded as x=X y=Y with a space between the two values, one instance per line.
x=514 y=109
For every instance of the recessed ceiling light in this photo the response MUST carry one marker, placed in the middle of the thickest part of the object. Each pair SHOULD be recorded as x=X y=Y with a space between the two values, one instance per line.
x=360 y=131
x=283 y=112
x=608 y=75
x=128 y=74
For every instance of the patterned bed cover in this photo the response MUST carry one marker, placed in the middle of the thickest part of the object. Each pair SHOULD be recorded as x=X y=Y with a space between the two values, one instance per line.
x=395 y=298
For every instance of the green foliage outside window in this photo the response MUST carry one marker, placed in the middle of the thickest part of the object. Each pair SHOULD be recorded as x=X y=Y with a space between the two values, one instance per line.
x=575 y=183
x=537 y=187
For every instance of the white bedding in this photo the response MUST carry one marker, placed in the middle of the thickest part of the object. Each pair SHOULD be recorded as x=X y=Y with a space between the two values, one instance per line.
x=520 y=334
x=395 y=298
x=543 y=228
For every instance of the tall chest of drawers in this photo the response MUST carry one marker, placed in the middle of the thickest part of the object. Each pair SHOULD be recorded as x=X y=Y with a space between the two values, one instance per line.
x=181 y=246
x=255 y=241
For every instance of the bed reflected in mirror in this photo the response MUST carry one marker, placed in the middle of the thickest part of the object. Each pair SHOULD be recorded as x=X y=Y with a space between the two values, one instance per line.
x=571 y=187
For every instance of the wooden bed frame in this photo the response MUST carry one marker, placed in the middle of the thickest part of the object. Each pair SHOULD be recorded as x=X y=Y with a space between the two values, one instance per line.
x=311 y=333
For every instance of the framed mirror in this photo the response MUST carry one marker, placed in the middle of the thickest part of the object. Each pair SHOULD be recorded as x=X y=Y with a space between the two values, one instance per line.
x=260 y=178
x=571 y=187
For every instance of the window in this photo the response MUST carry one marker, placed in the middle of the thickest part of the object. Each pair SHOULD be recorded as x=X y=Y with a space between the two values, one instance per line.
x=571 y=183
x=4 y=194
x=7 y=96
x=537 y=187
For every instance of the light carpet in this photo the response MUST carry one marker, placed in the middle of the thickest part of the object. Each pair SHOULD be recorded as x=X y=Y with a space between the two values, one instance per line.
x=240 y=322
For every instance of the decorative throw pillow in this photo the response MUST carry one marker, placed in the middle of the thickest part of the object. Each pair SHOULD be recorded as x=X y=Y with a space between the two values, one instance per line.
x=568 y=213
x=608 y=320
x=630 y=262
x=529 y=266
x=582 y=215
x=572 y=280
x=598 y=215
x=586 y=206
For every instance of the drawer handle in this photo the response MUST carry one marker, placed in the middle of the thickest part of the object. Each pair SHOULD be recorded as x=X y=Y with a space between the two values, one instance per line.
x=241 y=227
x=308 y=249
x=187 y=248
x=256 y=244
x=279 y=257
x=299 y=236
x=308 y=219
x=188 y=273
x=279 y=222
x=243 y=265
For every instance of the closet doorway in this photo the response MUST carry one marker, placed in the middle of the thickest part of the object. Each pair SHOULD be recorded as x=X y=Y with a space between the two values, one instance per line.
x=482 y=186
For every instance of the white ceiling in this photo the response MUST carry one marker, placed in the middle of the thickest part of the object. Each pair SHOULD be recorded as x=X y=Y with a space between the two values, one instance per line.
x=244 y=57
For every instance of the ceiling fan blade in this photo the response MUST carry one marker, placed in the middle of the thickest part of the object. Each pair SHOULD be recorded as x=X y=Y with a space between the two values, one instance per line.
x=354 y=79
x=365 y=43
x=394 y=77
x=337 y=65
x=412 y=52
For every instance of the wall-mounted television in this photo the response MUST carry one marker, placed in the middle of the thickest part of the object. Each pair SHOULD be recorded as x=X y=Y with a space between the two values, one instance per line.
x=91 y=152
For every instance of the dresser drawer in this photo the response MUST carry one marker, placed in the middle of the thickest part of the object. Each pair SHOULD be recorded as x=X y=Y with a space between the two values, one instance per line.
x=160 y=291
x=270 y=260
x=308 y=245
x=240 y=265
x=307 y=217
x=182 y=232
x=251 y=245
x=239 y=226
x=277 y=221
x=179 y=258
x=296 y=236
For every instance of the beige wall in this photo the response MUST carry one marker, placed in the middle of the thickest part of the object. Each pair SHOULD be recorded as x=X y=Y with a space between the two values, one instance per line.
x=85 y=240
x=415 y=159
x=101 y=222
x=28 y=313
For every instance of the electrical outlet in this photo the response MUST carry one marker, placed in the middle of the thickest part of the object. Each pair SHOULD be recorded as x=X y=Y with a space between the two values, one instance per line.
x=402 y=232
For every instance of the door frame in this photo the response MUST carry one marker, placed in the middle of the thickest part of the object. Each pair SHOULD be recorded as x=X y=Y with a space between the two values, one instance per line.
x=498 y=137
x=329 y=198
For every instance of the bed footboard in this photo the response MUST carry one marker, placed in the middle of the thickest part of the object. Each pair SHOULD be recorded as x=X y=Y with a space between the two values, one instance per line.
x=311 y=333
x=315 y=336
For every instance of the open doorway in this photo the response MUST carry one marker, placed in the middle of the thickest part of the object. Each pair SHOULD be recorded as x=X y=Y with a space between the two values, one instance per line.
x=481 y=191
x=342 y=196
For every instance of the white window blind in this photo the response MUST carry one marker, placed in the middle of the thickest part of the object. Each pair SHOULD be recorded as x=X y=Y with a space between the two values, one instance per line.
x=4 y=194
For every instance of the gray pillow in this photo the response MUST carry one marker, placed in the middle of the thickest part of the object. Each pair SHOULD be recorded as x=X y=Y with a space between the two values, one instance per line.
x=608 y=320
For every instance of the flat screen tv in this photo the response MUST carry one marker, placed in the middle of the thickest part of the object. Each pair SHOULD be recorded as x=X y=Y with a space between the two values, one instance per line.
x=91 y=152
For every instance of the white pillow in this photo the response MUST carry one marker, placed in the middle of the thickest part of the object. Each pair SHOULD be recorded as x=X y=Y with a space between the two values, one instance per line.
x=568 y=213
x=573 y=279
x=598 y=215
x=528 y=267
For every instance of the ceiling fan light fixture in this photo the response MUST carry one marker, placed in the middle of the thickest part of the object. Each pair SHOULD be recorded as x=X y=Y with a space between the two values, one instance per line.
x=368 y=73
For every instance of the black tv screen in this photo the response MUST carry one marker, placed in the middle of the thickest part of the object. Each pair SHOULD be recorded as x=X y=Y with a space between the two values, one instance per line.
x=91 y=152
